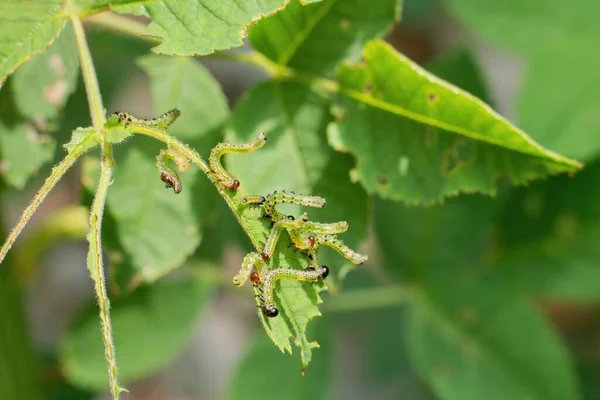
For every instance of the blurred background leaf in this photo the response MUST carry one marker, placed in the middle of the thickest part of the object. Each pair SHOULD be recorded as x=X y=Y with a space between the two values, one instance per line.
x=472 y=340
x=267 y=374
x=150 y=327
x=555 y=38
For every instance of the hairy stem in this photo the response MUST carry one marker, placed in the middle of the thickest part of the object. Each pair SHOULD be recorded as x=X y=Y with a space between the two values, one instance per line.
x=96 y=267
x=89 y=76
x=57 y=173
x=94 y=259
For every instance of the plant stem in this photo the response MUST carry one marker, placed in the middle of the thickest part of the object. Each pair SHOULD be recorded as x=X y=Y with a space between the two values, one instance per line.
x=89 y=76
x=55 y=175
x=366 y=299
x=107 y=163
x=96 y=268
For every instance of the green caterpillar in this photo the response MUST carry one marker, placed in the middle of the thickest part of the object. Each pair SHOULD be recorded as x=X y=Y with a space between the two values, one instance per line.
x=295 y=229
x=251 y=260
x=162 y=122
x=217 y=170
x=266 y=286
x=314 y=242
x=285 y=223
x=272 y=200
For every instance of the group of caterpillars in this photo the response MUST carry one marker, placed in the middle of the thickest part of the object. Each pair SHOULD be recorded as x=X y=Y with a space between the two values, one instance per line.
x=307 y=236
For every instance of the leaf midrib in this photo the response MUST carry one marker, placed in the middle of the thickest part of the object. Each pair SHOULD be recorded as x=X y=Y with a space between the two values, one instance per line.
x=299 y=40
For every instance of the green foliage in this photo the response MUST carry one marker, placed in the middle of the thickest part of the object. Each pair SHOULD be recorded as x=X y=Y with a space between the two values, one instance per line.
x=182 y=25
x=27 y=29
x=550 y=235
x=464 y=348
x=473 y=146
x=159 y=318
x=294 y=36
x=43 y=85
x=554 y=37
x=40 y=90
x=23 y=150
x=347 y=118
x=281 y=377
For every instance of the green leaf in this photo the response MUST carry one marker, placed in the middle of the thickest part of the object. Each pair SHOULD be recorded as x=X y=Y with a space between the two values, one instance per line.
x=315 y=38
x=150 y=327
x=184 y=83
x=459 y=68
x=477 y=341
x=158 y=229
x=532 y=26
x=560 y=113
x=264 y=373
x=30 y=108
x=550 y=233
x=296 y=158
x=85 y=138
x=449 y=236
x=42 y=86
x=27 y=29
x=555 y=37
x=23 y=151
x=197 y=27
x=439 y=141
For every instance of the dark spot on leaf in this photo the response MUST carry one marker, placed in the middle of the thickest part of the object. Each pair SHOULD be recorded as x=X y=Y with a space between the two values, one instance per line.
x=432 y=98
x=382 y=180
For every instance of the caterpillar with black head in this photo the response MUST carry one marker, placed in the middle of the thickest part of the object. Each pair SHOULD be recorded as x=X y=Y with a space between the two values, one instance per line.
x=266 y=284
x=270 y=201
x=336 y=244
x=161 y=122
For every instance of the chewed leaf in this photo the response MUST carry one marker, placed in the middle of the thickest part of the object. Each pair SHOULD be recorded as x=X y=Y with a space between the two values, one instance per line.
x=295 y=157
x=297 y=301
x=193 y=27
x=440 y=141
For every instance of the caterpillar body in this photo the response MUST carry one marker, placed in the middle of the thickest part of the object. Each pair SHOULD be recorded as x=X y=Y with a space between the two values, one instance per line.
x=162 y=122
x=266 y=284
x=283 y=197
x=218 y=171
x=252 y=260
x=285 y=223
x=337 y=245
